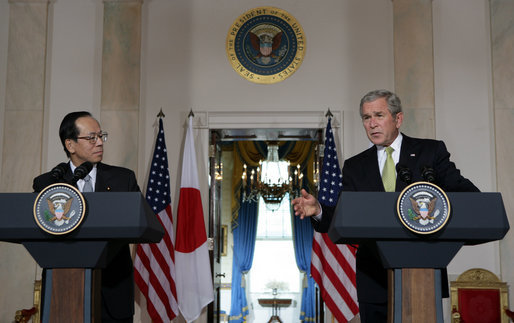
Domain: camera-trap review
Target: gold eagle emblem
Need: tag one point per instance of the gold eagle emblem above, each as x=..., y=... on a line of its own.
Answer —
x=423, y=208
x=59, y=209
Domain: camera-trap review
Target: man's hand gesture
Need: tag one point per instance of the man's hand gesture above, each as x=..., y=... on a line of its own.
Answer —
x=306, y=205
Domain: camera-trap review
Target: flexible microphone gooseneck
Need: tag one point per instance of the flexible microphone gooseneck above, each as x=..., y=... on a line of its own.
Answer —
x=59, y=171
x=82, y=171
x=404, y=173
x=428, y=174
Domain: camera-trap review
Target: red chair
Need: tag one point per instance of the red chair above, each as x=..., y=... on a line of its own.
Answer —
x=479, y=296
x=25, y=315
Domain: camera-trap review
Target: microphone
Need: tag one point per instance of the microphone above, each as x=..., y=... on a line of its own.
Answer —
x=82, y=171
x=59, y=171
x=428, y=174
x=404, y=173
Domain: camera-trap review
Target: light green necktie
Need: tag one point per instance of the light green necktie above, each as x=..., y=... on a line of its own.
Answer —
x=389, y=173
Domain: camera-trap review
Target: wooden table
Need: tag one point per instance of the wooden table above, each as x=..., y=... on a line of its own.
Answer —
x=275, y=304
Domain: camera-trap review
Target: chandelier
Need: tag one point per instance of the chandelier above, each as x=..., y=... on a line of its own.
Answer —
x=270, y=181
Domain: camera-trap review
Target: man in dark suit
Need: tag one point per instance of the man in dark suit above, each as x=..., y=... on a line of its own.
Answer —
x=82, y=140
x=382, y=116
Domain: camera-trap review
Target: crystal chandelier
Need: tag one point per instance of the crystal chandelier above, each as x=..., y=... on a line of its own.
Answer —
x=269, y=182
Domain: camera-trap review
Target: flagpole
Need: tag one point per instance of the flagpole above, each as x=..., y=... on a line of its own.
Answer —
x=338, y=290
x=154, y=265
x=193, y=267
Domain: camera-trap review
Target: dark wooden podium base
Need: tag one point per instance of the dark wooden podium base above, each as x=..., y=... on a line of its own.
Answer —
x=414, y=295
x=72, y=295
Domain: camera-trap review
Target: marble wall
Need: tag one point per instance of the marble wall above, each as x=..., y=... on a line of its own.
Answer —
x=502, y=45
x=23, y=113
x=123, y=60
x=414, y=65
x=121, y=79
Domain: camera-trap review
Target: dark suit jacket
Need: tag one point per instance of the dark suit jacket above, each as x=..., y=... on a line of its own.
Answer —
x=118, y=276
x=361, y=173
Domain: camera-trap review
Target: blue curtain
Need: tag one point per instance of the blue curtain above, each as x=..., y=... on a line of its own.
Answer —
x=303, y=234
x=244, y=233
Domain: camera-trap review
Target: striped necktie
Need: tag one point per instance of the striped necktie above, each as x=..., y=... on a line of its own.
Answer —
x=388, y=172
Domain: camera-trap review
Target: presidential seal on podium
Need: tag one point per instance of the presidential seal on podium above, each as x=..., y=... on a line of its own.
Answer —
x=59, y=209
x=423, y=208
x=265, y=45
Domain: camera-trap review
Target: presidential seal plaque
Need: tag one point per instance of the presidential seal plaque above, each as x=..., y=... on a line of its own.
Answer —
x=265, y=45
x=59, y=209
x=423, y=208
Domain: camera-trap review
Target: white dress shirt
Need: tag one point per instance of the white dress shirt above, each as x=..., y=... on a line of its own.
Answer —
x=382, y=156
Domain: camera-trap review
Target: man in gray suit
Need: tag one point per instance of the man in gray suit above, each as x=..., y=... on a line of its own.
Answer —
x=82, y=140
x=382, y=116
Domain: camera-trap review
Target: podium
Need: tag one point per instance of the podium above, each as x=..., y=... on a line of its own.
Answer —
x=361, y=217
x=112, y=220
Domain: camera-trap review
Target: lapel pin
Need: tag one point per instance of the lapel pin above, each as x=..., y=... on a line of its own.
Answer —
x=413, y=155
x=108, y=188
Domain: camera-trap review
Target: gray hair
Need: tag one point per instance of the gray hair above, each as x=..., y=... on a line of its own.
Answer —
x=394, y=105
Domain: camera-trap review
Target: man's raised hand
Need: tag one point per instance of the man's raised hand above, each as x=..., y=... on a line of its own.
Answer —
x=305, y=205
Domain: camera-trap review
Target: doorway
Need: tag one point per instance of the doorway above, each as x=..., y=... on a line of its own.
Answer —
x=269, y=278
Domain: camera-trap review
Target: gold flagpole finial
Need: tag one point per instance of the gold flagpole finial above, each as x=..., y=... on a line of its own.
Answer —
x=191, y=114
x=160, y=114
x=329, y=114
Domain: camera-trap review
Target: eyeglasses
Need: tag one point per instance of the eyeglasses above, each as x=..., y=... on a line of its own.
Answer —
x=93, y=137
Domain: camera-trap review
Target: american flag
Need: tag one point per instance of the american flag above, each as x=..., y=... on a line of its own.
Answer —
x=155, y=263
x=333, y=266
